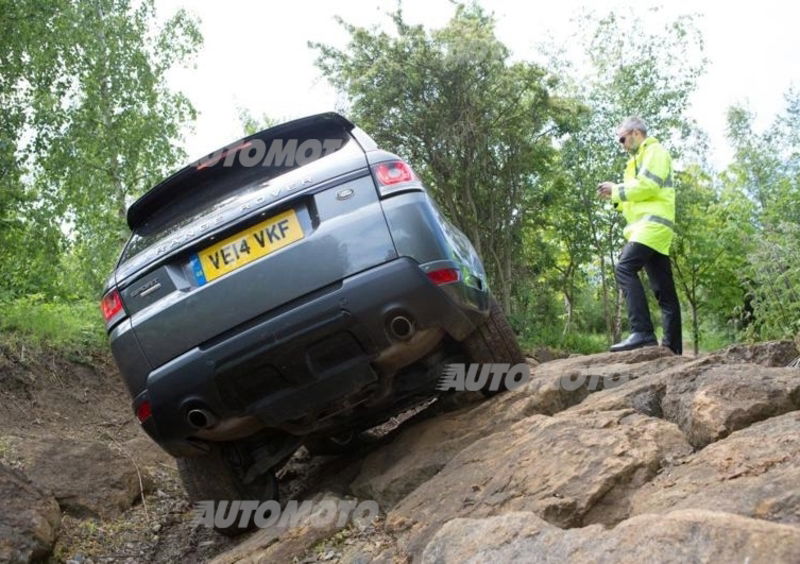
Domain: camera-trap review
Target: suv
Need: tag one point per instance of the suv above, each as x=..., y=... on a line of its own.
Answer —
x=295, y=287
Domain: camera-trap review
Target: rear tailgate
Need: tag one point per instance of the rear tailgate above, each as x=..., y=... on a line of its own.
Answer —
x=198, y=267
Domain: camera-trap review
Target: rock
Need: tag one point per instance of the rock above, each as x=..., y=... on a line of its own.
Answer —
x=560, y=384
x=147, y=453
x=29, y=519
x=726, y=398
x=753, y=472
x=769, y=353
x=393, y=471
x=418, y=453
x=706, y=399
x=281, y=544
x=569, y=470
x=546, y=354
x=87, y=478
x=680, y=536
x=644, y=394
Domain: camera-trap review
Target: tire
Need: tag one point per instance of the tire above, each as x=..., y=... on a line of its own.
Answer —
x=493, y=342
x=212, y=477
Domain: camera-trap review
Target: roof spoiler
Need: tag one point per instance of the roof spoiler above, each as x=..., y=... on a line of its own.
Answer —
x=163, y=192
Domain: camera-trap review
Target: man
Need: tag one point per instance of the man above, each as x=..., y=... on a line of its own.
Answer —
x=646, y=199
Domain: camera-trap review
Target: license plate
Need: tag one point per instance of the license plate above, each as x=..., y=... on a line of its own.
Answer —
x=246, y=246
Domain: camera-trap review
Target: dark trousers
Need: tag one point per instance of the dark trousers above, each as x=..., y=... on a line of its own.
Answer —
x=634, y=257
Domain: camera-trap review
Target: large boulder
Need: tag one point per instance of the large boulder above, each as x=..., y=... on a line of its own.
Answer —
x=706, y=398
x=680, y=536
x=560, y=384
x=87, y=478
x=726, y=398
x=754, y=472
x=29, y=519
x=419, y=452
x=290, y=540
x=571, y=471
x=769, y=353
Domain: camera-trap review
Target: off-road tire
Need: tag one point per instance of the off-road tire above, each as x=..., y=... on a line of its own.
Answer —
x=493, y=342
x=212, y=477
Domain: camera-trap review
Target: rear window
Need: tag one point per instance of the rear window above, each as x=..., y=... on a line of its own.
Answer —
x=228, y=174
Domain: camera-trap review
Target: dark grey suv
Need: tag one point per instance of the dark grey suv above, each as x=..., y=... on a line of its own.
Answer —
x=296, y=287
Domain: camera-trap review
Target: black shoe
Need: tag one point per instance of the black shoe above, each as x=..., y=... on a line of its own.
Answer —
x=635, y=341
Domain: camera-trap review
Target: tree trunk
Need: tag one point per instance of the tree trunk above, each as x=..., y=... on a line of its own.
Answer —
x=606, y=312
x=695, y=327
x=568, y=307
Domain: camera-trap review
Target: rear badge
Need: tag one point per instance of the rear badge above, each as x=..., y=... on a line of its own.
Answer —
x=147, y=288
x=344, y=194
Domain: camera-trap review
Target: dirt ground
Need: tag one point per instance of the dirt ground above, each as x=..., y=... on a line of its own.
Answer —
x=44, y=393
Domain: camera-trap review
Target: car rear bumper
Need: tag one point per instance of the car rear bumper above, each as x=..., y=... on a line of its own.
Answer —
x=293, y=367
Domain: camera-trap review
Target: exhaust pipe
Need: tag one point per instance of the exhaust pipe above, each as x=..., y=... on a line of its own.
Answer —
x=201, y=418
x=401, y=327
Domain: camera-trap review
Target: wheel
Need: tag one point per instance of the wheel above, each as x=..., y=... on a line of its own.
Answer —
x=493, y=342
x=213, y=477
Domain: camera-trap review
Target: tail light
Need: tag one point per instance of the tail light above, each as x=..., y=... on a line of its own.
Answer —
x=444, y=276
x=111, y=306
x=395, y=176
x=144, y=411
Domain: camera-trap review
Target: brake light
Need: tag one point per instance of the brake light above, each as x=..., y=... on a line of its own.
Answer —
x=144, y=411
x=393, y=172
x=216, y=158
x=444, y=276
x=111, y=306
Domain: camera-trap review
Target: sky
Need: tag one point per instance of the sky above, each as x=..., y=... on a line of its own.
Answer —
x=255, y=55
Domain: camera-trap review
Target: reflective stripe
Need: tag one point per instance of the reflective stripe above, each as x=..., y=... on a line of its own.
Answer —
x=622, y=196
x=657, y=179
x=658, y=219
x=668, y=183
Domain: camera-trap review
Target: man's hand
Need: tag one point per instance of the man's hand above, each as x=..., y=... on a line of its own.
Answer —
x=604, y=189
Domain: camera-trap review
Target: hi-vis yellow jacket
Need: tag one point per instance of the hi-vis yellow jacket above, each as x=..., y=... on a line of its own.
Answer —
x=647, y=197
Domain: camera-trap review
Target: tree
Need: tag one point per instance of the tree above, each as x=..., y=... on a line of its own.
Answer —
x=102, y=125
x=766, y=171
x=29, y=70
x=477, y=127
x=252, y=124
x=709, y=249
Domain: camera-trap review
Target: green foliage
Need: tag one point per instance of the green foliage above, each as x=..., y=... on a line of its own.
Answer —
x=68, y=326
x=572, y=342
x=478, y=127
x=252, y=124
x=710, y=249
x=105, y=130
x=765, y=176
x=774, y=283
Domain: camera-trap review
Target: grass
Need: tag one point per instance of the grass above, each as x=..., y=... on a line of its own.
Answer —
x=589, y=343
x=573, y=342
x=67, y=326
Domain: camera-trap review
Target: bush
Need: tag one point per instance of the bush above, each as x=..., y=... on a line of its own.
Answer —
x=67, y=325
x=549, y=335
